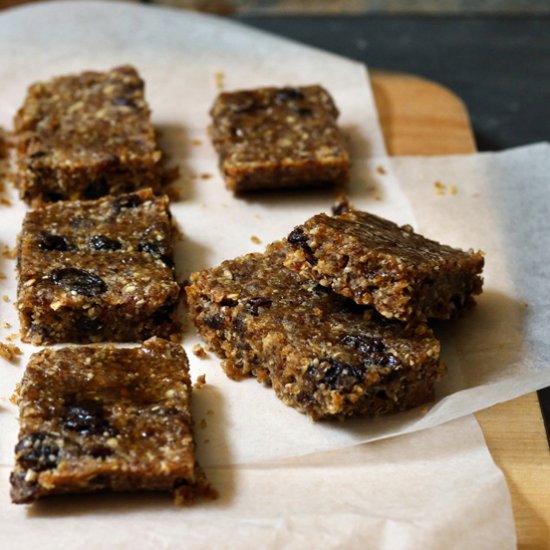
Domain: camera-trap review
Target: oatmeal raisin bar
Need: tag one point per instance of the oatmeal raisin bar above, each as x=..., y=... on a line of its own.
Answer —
x=101, y=270
x=322, y=353
x=85, y=136
x=374, y=261
x=272, y=138
x=98, y=418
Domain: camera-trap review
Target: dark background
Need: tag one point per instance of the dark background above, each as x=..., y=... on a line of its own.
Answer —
x=498, y=65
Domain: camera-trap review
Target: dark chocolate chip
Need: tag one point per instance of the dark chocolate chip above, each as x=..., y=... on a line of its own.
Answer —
x=97, y=188
x=364, y=344
x=252, y=305
x=228, y=302
x=215, y=321
x=303, y=111
x=99, y=451
x=101, y=242
x=87, y=418
x=288, y=94
x=373, y=350
x=54, y=196
x=165, y=313
x=238, y=325
x=86, y=325
x=337, y=375
x=127, y=201
x=79, y=281
x=159, y=250
x=38, y=451
x=298, y=237
x=342, y=206
x=48, y=241
x=124, y=101
x=38, y=154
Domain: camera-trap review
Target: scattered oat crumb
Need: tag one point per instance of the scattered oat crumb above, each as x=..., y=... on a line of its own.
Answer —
x=203, y=424
x=341, y=205
x=13, y=336
x=442, y=189
x=524, y=304
x=210, y=412
x=219, y=78
x=197, y=142
x=4, y=201
x=200, y=352
x=200, y=382
x=5, y=324
x=207, y=440
x=256, y=240
x=381, y=170
x=9, y=351
x=206, y=176
x=6, y=298
x=2, y=275
x=9, y=253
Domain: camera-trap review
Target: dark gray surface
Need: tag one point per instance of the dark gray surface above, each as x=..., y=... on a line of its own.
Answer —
x=499, y=66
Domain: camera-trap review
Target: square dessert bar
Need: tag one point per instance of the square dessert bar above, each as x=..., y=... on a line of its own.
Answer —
x=374, y=261
x=102, y=270
x=97, y=418
x=85, y=136
x=323, y=354
x=272, y=138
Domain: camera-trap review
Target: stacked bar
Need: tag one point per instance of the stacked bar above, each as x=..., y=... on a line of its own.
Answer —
x=323, y=353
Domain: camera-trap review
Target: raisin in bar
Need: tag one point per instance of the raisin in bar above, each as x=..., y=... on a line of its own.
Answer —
x=273, y=138
x=85, y=136
x=323, y=354
x=100, y=270
x=98, y=418
x=374, y=261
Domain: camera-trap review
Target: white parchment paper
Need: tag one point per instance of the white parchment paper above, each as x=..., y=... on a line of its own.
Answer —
x=437, y=488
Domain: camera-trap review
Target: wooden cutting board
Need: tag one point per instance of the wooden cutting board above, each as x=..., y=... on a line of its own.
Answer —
x=420, y=117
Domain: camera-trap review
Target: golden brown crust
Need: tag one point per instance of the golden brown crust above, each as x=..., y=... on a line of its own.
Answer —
x=92, y=271
x=103, y=418
x=323, y=354
x=85, y=136
x=374, y=261
x=272, y=138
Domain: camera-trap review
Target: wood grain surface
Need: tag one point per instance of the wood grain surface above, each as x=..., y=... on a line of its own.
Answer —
x=420, y=117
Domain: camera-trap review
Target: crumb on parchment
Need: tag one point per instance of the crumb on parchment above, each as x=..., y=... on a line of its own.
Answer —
x=10, y=352
x=219, y=79
x=199, y=351
x=255, y=239
x=444, y=189
x=200, y=382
